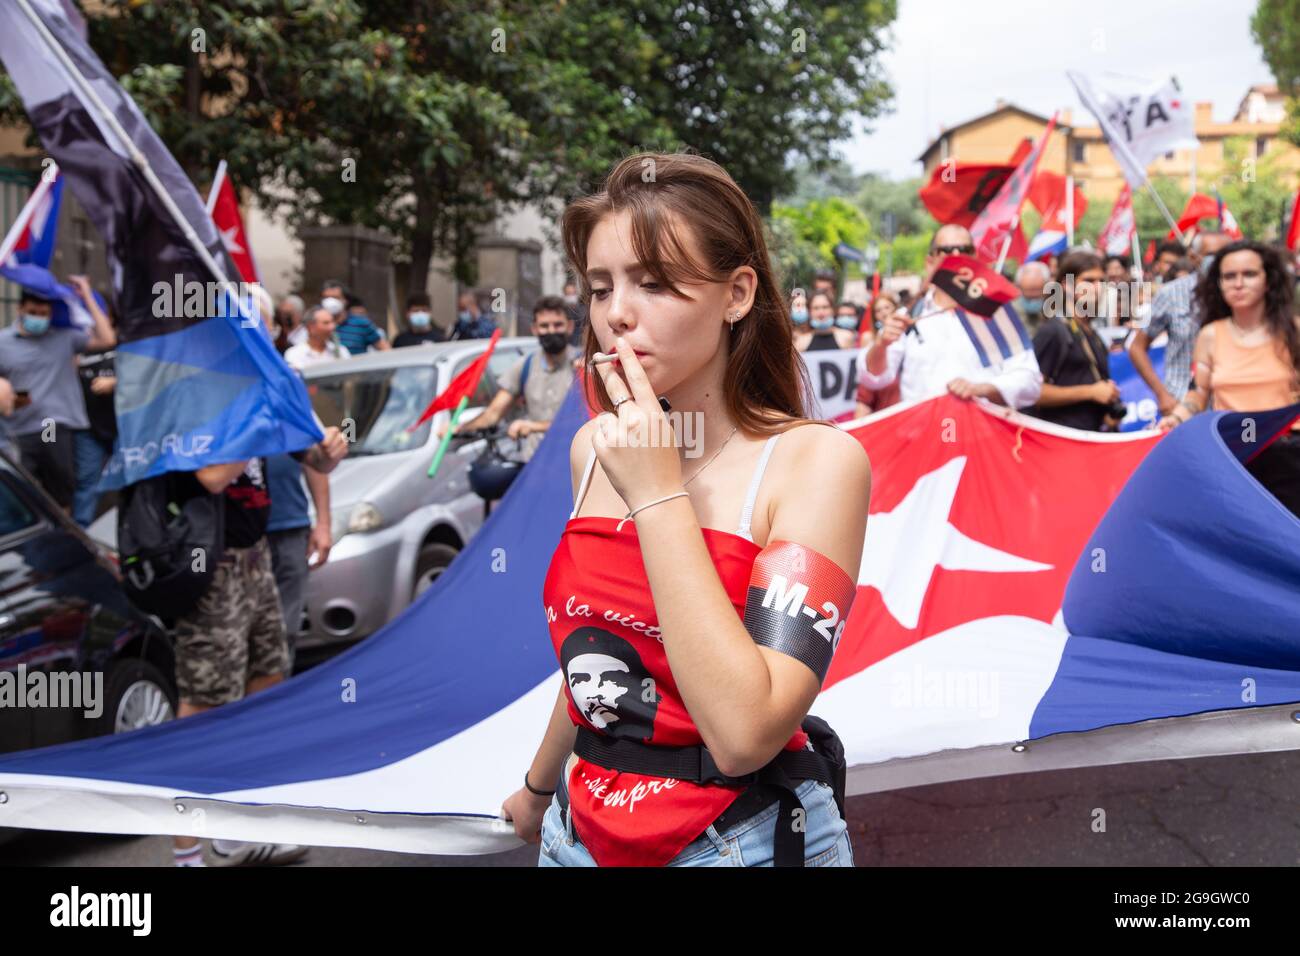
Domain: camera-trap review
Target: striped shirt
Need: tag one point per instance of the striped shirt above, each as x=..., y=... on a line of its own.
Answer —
x=357, y=333
x=1174, y=311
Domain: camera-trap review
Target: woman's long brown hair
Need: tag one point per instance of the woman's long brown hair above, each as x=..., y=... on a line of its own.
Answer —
x=766, y=385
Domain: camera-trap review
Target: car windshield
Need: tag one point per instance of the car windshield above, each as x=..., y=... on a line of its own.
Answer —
x=380, y=405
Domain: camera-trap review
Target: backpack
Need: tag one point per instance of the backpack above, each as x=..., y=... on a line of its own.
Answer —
x=170, y=536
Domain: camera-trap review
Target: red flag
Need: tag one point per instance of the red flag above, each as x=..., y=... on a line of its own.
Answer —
x=1116, y=236
x=1293, y=234
x=1201, y=206
x=958, y=192
x=223, y=206
x=1047, y=195
x=462, y=386
x=1001, y=217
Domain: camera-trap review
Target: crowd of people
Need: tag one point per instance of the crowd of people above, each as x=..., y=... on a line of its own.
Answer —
x=1224, y=307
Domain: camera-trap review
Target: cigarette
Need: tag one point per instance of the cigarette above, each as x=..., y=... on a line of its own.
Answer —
x=600, y=358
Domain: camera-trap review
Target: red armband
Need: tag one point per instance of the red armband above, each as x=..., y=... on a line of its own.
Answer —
x=797, y=602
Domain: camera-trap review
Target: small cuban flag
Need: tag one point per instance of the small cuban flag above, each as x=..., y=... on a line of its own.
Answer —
x=1048, y=242
x=984, y=308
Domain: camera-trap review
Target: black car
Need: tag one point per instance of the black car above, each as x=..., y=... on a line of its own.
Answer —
x=65, y=624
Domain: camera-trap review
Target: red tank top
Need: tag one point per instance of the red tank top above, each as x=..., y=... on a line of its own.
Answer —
x=617, y=680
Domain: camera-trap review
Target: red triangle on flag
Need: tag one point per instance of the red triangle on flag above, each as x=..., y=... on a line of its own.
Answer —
x=462, y=386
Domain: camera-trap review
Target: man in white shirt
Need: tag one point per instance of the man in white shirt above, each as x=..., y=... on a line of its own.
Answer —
x=320, y=345
x=932, y=353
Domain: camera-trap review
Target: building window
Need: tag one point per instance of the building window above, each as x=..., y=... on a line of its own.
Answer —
x=1080, y=151
x=1261, y=145
x=1169, y=155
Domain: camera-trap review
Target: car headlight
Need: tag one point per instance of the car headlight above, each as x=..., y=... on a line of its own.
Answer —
x=358, y=518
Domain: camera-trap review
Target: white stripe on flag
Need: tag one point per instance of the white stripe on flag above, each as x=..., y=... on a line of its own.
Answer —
x=986, y=340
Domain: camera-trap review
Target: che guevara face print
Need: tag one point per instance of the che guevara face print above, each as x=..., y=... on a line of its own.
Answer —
x=609, y=683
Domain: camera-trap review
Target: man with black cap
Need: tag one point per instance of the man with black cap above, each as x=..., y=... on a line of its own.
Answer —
x=971, y=345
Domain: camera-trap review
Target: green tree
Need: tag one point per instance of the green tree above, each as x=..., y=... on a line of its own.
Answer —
x=824, y=223
x=447, y=112
x=1276, y=28
x=1255, y=189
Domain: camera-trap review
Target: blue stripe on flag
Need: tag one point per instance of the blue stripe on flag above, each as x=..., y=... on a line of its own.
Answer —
x=1013, y=317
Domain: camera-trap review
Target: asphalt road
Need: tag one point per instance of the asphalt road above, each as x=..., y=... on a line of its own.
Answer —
x=1221, y=811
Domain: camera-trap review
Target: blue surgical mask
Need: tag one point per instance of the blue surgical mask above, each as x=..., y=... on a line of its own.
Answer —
x=821, y=324
x=846, y=322
x=1031, y=306
x=799, y=318
x=419, y=320
x=464, y=315
x=34, y=324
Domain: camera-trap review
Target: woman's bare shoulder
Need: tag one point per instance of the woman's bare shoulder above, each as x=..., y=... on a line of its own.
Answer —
x=825, y=457
x=819, y=444
x=822, y=493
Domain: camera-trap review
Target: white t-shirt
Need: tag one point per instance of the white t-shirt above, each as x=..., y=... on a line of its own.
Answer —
x=303, y=356
x=924, y=364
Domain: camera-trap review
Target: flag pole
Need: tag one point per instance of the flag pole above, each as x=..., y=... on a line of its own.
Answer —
x=215, y=188
x=1160, y=204
x=1069, y=211
x=137, y=157
x=24, y=216
x=1006, y=243
x=446, y=436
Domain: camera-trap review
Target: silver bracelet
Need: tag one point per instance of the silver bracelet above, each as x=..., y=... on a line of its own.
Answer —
x=630, y=514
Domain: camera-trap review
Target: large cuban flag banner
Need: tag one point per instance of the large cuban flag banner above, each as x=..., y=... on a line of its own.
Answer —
x=1030, y=598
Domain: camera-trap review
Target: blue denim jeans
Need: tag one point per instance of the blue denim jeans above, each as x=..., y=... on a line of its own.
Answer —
x=746, y=843
x=90, y=456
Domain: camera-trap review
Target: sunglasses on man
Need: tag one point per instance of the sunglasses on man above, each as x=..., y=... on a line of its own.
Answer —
x=967, y=250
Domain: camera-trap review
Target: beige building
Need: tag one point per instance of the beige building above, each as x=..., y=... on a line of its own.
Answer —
x=1081, y=152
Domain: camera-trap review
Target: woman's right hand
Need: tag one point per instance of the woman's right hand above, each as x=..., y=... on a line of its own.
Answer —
x=525, y=810
x=1105, y=392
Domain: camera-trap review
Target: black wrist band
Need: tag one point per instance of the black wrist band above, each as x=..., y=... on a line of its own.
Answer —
x=534, y=791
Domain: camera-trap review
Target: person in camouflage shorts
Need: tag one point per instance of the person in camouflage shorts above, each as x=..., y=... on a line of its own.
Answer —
x=235, y=634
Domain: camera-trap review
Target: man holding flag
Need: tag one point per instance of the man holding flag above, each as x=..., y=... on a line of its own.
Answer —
x=979, y=349
x=541, y=380
x=38, y=360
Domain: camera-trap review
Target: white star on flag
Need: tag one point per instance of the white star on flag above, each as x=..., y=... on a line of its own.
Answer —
x=228, y=240
x=904, y=546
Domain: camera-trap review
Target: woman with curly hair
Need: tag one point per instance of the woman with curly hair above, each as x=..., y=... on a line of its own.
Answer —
x=1247, y=354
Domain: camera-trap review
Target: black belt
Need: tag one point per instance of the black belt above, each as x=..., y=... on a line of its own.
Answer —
x=772, y=783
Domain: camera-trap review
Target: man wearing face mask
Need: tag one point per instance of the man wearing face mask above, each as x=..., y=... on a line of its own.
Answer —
x=49, y=406
x=420, y=320
x=470, y=322
x=1031, y=280
x=542, y=379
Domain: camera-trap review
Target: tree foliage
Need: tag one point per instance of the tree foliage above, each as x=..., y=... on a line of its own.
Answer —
x=429, y=118
x=1276, y=28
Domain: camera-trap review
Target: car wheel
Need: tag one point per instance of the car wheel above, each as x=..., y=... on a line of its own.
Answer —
x=434, y=559
x=136, y=694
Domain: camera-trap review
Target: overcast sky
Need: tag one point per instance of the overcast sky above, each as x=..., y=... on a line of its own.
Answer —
x=952, y=59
